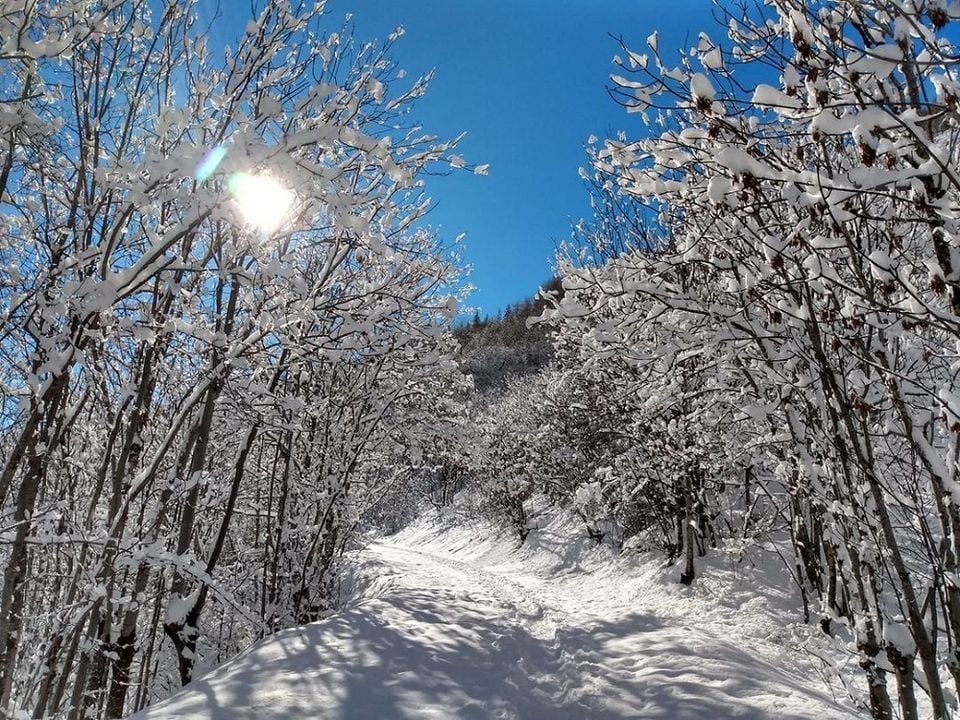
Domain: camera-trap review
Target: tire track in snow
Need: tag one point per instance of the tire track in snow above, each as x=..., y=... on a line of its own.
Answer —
x=542, y=616
x=574, y=672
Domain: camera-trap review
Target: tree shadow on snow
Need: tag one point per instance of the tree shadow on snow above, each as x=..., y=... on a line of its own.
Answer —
x=437, y=654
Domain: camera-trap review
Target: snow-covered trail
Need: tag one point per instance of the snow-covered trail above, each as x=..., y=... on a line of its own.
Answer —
x=455, y=630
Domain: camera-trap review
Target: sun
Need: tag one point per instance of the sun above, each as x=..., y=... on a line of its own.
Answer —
x=262, y=200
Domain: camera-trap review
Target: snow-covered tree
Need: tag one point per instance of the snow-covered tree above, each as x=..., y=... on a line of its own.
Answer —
x=219, y=324
x=802, y=177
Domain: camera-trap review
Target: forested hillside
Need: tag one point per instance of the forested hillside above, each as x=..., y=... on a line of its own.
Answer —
x=493, y=351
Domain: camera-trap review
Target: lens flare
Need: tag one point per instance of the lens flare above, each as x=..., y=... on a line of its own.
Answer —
x=209, y=164
x=263, y=201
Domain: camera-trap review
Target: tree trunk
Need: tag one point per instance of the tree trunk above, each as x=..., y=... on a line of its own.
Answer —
x=15, y=574
x=686, y=578
x=903, y=666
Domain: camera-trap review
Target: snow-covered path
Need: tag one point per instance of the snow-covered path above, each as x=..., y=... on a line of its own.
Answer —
x=458, y=629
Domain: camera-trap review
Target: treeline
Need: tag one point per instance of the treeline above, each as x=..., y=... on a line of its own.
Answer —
x=495, y=350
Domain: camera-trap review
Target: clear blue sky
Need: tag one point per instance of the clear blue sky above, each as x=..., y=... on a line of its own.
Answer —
x=526, y=80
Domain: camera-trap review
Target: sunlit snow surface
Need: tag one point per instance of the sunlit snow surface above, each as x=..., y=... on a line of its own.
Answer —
x=452, y=626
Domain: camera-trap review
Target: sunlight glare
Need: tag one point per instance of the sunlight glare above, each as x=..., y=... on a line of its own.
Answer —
x=263, y=201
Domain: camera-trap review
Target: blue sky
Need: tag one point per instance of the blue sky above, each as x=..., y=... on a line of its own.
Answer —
x=526, y=80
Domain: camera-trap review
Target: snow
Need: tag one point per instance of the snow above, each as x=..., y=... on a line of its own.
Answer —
x=701, y=88
x=897, y=634
x=767, y=96
x=881, y=60
x=452, y=622
x=178, y=607
x=712, y=59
